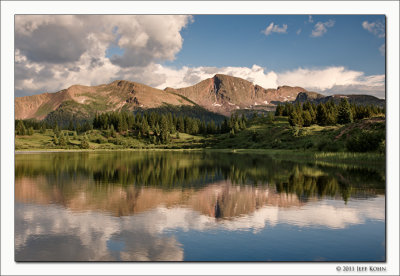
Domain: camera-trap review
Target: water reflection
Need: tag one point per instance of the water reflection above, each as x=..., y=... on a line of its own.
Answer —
x=136, y=206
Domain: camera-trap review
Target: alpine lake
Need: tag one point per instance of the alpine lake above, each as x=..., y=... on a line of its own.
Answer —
x=195, y=206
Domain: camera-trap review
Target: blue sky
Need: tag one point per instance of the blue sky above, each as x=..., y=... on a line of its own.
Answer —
x=330, y=54
x=231, y=40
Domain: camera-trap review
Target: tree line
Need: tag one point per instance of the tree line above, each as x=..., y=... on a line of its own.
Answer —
x=325, y=114
x=152, y=125
x=161, y=126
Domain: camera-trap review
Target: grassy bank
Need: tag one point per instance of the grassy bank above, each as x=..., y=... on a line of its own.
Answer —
x=263, y=135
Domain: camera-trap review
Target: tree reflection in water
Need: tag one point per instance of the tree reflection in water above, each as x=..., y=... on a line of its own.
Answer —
x=220, y=185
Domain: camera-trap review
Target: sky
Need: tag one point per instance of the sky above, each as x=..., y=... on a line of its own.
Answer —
x=329, y=54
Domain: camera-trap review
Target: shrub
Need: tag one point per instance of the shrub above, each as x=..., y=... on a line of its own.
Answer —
x=85, y=143
x=101, y=140
x=365, y=141
x=322, y=144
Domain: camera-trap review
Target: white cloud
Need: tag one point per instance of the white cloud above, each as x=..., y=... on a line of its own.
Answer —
x=323, y=79
x=56, y=51
x=326, y=80
x=275, y=29
x=145, y=45
x=298, y=31
x=310, y=19
x=377, y=28
x=64, y=38
x=321, y=28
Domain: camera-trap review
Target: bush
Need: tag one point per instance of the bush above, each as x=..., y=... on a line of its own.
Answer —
x=308, y=145
x=101, y=140
x=276, y=143
x=85, y=143
x=321, y=146
x=255, y=137
x=365, y=141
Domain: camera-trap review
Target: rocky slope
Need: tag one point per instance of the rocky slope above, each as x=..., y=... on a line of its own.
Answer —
x=224, y=94
x=220, y=94
x=356, y=99
x=117, y=95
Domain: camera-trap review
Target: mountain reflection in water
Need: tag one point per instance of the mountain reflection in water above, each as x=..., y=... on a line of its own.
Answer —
x=133, y=206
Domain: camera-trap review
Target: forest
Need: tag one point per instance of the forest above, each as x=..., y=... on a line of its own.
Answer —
x=323, y=127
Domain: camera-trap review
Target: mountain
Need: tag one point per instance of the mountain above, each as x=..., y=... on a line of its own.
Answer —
x=85, y=101
x=210, y=98
x=356, y=99
x=224, y=94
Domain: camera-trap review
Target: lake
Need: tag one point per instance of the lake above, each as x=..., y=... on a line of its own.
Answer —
x=195, y=206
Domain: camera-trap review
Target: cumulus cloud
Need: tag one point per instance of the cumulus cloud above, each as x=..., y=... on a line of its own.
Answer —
x=80, y=57
x=377, y=28
x=321, y=28
x=73, y=47
x=272, y=28
x=328, y=80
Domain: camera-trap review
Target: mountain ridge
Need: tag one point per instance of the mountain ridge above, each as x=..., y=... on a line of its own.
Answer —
x=220, y=94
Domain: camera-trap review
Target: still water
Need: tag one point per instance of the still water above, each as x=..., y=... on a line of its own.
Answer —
x=188, y=206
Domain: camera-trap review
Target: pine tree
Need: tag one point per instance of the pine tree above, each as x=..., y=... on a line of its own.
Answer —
x=236, y=127
x=322, y=115
x=85, y=142
x=279, y=110
x=144, y=128
x=61, y=140
x=307, y=119
x=55, y=140
x=42, y=129
x=112, y=132
x=344, y=112
x=270, y=118
x=70, y=125
x=164, y=130
x=295, y=119
x=180, y=124
x=30, y=131
x=20, y=128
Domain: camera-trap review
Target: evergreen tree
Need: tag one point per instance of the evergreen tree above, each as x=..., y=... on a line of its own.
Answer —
x=307, y=119
x=236, y=127
x=322, y=115
x=279, y=110
x=55, y=140
x=42, y=129
x=344, y=112
x=165, y=133
x=85, y=142
x=61, y=140
x=144, y=127
x=30, y=131
x=244, y=119
x=295, y=119
x=270, y=118
x=70, y=125
x=56, y=129
x=20, y=128
x=180, y=124
x=112, y=131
